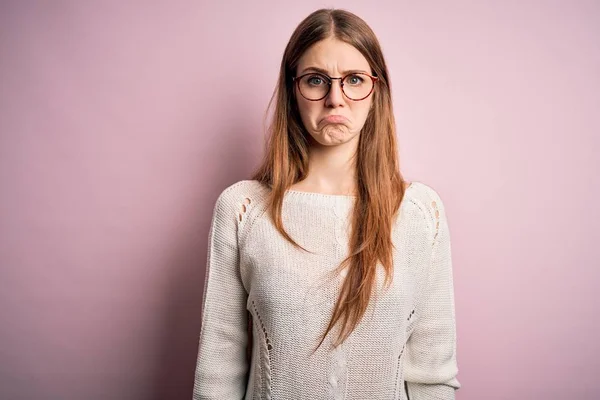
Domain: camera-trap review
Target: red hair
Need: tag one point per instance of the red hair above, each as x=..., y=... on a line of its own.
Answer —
x=380, y=186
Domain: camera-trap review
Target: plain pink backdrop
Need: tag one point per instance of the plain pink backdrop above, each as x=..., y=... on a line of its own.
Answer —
x=121, y=122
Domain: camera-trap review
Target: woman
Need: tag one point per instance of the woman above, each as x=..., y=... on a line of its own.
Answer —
x=340, y=269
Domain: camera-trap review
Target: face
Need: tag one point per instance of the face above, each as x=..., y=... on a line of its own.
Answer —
x=335, y=119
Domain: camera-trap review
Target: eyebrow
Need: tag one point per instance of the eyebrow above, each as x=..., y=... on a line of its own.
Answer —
x=324, y=72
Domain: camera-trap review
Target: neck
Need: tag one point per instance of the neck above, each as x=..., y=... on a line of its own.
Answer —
x=332, y=168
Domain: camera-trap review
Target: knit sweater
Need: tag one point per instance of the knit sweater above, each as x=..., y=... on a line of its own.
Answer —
x=403, y=348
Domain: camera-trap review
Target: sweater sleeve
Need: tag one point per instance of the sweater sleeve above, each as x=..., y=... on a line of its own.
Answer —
x=221, y=364
x=431, y=365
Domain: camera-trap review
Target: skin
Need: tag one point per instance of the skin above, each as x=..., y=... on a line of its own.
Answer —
x=332, y=145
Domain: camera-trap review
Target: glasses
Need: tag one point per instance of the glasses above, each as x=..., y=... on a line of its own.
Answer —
x=315, y=86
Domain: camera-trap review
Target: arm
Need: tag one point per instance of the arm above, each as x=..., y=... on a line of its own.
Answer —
x=222, y=365
x=431, y=366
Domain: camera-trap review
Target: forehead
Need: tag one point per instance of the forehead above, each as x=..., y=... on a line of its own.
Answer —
x=334, y=56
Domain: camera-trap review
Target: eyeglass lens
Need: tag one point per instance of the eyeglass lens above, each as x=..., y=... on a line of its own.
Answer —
x=316, y=86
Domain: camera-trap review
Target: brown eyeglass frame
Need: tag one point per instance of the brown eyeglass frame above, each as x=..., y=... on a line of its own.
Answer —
x=296, y=79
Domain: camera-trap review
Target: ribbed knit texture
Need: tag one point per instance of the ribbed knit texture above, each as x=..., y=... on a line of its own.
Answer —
x=403, y=348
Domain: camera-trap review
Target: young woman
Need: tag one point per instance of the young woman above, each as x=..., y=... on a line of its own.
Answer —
x=339, y=268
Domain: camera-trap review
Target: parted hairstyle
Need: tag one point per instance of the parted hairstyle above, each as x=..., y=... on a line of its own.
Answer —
x=380, y=185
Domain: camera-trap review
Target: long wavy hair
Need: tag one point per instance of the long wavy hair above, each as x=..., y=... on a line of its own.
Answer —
x=380, y=185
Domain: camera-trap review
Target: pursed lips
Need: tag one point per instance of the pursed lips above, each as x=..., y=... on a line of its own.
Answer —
x=335, y=119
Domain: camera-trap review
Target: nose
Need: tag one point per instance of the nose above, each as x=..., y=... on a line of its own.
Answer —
x=335, y=97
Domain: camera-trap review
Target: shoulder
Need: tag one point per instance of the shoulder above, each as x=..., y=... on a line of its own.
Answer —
x=423, y=193
x=244, y=191
x=428, y=201
x=240, y=200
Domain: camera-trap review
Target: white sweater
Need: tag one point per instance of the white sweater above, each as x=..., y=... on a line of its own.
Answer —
x=403, y=348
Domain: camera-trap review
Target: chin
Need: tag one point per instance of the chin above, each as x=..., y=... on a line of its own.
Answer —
x=333, y=136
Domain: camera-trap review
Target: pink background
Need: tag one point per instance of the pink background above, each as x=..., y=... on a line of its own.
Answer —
x=120, y=123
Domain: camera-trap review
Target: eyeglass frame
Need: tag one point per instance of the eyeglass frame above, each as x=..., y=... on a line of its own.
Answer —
x=374, y=79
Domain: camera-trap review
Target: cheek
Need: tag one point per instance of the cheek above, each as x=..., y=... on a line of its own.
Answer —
x=361, y=111
x=308, y=111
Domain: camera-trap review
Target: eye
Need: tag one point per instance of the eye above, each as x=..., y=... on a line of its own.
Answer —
x=354, y=79
x=315, y=80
